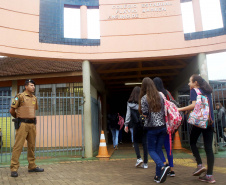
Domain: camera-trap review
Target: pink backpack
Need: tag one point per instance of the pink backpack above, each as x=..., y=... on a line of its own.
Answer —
x=121, y=121
x=172, y=118
x=200, y=115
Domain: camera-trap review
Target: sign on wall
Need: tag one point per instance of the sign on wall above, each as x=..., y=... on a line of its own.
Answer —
x=141, y=10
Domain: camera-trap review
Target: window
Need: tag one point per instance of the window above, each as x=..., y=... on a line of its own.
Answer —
x=211, y=14
x=58, y=99
x=93, y=23
x=72, y=22
x=188, y=17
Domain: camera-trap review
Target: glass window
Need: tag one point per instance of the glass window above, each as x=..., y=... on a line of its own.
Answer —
x=72, y=22
x=211, y=14
x=188, y=17
x=93, y=23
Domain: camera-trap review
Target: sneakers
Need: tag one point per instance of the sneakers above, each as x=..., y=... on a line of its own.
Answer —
x=164, y=171
x=116, y=147
x=14, y=174
x=171, y=174
x=144, y=165
x=139, y=162
x=37, y=169
x=156, y=179
x=199, y=170
x=207, y=179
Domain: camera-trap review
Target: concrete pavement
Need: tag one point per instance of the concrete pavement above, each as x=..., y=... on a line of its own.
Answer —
x=119, y=169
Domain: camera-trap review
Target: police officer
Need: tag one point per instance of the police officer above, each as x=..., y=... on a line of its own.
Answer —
x=23, y=109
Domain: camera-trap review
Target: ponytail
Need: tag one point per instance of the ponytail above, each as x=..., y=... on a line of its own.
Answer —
x=202, y=83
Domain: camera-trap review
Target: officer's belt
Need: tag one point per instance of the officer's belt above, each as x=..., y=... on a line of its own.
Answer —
x=27, y=120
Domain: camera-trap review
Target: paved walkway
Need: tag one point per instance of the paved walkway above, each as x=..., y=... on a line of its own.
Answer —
x=118, y=170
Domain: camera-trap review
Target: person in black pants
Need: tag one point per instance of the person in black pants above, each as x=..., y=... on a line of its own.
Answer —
x=132, y=117
x=199, y=83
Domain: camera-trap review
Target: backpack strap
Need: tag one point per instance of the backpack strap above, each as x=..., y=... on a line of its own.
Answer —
x=210, y=122
x=198, y=92
x=170, y=96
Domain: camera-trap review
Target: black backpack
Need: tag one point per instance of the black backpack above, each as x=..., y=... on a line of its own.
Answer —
x=135, y=118
x=113, y=119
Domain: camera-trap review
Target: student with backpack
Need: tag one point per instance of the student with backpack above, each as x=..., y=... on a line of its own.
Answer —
x=113, y=120
x=160, y=87
x=151, y=106
x=132, y=117
x=198, y=88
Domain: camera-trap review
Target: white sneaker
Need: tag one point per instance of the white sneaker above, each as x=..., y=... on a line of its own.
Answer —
x=144, y=165
x=139, y=162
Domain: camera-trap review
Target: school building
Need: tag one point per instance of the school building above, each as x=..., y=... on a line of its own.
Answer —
x=84, y=55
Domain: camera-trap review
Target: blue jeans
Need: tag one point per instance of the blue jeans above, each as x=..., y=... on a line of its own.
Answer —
x=131, y=130
x=156, y=140
x=167, y=147
x=115, y=136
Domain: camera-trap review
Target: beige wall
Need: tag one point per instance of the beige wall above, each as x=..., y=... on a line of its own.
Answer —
x=93, y=92
x=67, y=133
x=155, y=34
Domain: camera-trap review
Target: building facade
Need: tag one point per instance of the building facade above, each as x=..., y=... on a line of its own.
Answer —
x=133, y=39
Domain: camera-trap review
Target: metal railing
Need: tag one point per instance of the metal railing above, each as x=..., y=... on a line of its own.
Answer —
x=59, y=128
x=219, y=96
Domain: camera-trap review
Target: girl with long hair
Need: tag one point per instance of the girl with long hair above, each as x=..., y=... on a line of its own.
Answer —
x=151, y=106
x=197, y=81
x=160, y=87
x=132, y=117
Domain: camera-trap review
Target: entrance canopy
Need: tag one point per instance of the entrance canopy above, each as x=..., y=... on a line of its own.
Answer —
x=116, y=74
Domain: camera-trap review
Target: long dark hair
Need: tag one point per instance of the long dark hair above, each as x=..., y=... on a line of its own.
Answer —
x=159, y=85
x=134, y=96
x=153, y=97
x=202, y=83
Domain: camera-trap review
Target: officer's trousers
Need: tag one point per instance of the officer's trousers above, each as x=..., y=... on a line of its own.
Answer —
x=26, y=131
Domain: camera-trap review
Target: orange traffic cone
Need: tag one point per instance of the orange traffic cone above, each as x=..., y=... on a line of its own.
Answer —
x=103, y=152
x=177, y=143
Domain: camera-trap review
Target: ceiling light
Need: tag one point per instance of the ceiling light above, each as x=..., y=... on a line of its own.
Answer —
x=133, y=83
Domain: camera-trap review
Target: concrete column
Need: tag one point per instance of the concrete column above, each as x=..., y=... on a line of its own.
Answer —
x=14, y=93
x=202, y=63
x=197, y=15
x=87, y=109
x=83, y=17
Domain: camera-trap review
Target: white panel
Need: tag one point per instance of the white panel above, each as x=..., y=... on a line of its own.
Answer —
x=216, y=64
x=72, y=23
x=93, y=23
x=188, y=17
x=211, y=14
